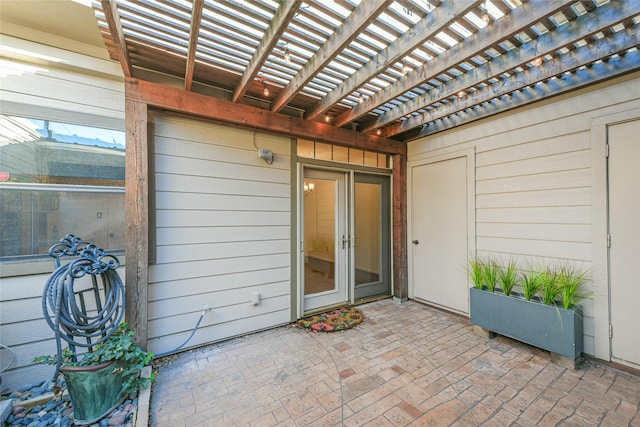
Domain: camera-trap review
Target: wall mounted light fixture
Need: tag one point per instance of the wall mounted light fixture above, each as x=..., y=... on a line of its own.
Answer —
x=309, y=187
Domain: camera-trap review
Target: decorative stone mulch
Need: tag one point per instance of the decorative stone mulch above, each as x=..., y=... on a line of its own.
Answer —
x=59, y=412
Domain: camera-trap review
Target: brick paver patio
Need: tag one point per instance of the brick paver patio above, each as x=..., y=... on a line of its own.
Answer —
x=406, y=364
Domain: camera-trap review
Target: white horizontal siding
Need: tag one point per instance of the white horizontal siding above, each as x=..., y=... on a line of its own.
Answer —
x=195, y=235
x=534, y=181
x=216, y=332
x=50, y=88
x=220, y=283
x=223, y=221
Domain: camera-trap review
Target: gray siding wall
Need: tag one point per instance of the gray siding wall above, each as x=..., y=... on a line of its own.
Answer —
x=223, y=232
x=534, y=179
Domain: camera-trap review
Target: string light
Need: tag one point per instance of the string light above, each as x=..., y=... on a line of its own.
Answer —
x=537, y=62
x=327, y=118
x=287, y=55
x=405, y=67
x=461, y=94
x=378, y=131
x=484, y=14
x=265, y=91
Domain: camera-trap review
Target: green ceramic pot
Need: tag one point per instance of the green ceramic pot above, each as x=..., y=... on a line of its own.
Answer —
x=94, y=390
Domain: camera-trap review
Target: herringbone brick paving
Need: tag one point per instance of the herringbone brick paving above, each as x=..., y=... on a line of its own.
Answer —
x=406, y=364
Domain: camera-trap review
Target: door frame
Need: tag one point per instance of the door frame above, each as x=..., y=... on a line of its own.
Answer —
x=600, y=225
x=350, y=170
x=470, y=154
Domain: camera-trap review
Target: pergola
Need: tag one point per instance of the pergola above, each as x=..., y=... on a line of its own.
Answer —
x=371, y=74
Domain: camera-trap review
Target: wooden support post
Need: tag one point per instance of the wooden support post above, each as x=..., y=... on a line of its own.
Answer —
x=137, y=218
x=400, y=268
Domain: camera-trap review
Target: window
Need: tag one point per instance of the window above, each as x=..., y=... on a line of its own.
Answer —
x=324, y=151
x=58, y=179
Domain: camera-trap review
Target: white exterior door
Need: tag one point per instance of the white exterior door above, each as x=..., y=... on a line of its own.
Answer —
x=624, y=253
x=439, y=234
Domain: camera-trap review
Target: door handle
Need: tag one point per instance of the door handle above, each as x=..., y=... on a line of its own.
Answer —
x=344, y=241
x=415, y=242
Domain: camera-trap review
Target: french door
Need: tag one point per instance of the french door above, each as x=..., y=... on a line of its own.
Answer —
x=345, y=237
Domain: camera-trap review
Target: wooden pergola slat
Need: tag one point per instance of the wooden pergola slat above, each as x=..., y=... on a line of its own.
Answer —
x=278, y=25
x=452, y=117
x=619, y=42
x=488, y=37
x=586, y=25
x=196, y=17
x=117, y=35
x=433, y=23
x=361, y=17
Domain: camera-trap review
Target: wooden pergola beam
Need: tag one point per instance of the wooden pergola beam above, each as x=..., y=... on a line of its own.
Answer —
x=285, y=13
x=584, y=26
x=432, y=24
x=399, y=220
x=137, y=218
x=502, y=29
x=220, y=110
x=360, y=18
x=515, y=92
x=117, y=34
x=196, y=18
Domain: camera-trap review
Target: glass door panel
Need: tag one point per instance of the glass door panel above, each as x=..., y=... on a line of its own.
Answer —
x=324, y=204
x=372, y=237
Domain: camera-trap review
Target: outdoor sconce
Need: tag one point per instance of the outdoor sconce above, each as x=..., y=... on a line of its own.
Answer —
x=266, y=155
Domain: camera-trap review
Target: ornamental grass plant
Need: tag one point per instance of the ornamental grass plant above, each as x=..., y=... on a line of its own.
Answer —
x=508, y=277
x=531, y=283
x=550, y=288
x=490, y=274
x=570, y=280
x=476, y=272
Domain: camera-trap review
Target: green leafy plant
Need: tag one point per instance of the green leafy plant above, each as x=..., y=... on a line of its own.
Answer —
x=570, y=280
x=491, y=270
x=120, y=347
x=476, y=272
x=508, y=277
x=531, y=283
x=550, y=288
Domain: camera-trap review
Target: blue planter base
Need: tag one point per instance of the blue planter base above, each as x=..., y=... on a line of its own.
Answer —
x=547, y=327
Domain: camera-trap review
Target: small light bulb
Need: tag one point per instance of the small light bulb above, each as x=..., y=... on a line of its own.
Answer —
x=461, y=94
x=327, y=118
x=378, y=132
x=537, y=62
x=265, y=91
x=405, y=68
x=484, y=15
x=287, y=55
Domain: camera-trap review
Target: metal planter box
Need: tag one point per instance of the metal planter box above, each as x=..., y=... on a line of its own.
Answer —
x=548, y=327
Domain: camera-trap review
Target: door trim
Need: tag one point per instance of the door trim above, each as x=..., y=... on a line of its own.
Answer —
x=469, y=153
x=599, y=229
